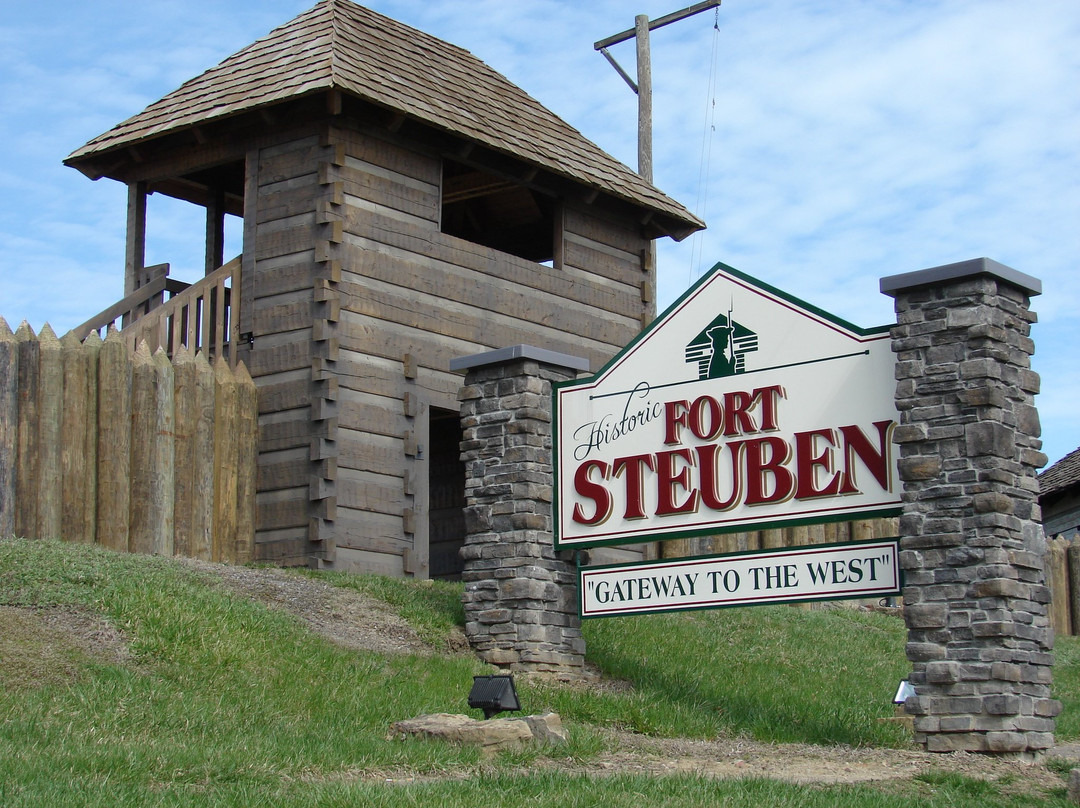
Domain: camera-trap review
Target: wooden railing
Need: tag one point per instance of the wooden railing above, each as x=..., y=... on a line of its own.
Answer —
x=203, y=316
x=154, y=285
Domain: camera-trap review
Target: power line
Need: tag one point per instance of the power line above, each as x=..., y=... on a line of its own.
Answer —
x=708, y=136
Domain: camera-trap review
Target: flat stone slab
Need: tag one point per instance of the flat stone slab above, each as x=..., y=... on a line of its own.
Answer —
x=494, y=733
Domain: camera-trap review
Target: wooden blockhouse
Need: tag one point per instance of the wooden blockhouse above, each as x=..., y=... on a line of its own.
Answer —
x=403, y=204
x=1059, y=498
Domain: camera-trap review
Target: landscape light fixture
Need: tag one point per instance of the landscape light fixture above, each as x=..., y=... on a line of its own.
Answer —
x=903, y=692
x=494, y=695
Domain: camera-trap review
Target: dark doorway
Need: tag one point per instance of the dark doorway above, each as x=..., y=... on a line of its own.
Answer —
x=446, y=495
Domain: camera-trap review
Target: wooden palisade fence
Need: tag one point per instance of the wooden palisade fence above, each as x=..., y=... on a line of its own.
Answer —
x=1063, y=577
x=795, y=536
x=129, y=450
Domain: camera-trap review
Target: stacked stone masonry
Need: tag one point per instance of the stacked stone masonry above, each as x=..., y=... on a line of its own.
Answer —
x=976, y=600
x=520, y=599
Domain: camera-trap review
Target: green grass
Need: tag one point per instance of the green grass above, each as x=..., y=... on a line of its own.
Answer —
x=773, y=673
x=225, y=702
x=544, y=790
x=1067, y=687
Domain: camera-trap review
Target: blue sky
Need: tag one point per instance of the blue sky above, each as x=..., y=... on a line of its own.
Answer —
x=827, y=143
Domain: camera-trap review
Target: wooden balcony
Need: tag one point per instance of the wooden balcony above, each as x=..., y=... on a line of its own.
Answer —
x=165, y=313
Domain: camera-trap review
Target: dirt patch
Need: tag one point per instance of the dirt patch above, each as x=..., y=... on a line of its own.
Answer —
x=41, y=646
x=807, y=764
x=343, y=616
x=800, y=764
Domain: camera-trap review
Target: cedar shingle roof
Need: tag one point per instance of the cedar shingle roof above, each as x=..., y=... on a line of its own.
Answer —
x=340, y=45
x=1062, y=474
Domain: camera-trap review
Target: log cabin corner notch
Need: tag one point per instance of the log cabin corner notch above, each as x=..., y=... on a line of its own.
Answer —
x=403, y=204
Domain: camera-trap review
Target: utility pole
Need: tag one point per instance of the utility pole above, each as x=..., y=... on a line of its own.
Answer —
x=643, y=88
x=643, y=85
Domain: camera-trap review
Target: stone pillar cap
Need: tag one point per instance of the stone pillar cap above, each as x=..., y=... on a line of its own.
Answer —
x=504, y=355
x=894, y=284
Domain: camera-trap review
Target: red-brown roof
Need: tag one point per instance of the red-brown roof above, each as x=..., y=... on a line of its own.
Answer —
x=340, y=45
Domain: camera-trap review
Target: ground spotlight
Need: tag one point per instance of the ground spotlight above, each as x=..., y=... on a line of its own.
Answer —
x=494, y=695
x=903, y=692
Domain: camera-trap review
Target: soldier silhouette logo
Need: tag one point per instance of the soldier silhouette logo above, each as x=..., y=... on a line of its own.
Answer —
x=720, y=349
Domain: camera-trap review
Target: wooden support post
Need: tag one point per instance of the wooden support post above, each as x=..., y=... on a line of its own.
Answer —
x=247, y=271
x=648, y=284
x=644, y=82
x=135, y=252
x=9, y=426
x=215, y=231
x=558, y=237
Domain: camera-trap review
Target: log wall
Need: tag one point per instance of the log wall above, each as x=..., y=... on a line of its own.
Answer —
x=409, y=299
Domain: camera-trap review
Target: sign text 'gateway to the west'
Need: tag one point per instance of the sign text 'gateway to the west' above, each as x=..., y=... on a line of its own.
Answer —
x=827, y=572
x=740, y=407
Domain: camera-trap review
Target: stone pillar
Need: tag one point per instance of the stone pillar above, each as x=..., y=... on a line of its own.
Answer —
x=975, y=596
x=521, y=609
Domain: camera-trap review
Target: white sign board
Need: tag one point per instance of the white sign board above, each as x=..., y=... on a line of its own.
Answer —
x=739, y=408
x=827, y=572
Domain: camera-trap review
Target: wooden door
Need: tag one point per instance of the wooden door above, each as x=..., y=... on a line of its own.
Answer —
x=446, y=494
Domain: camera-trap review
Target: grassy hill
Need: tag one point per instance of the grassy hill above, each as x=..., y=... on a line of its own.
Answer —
x=128, y=680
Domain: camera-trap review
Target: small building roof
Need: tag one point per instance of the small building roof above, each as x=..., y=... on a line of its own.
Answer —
x=1061, y=475
x=338, y=45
